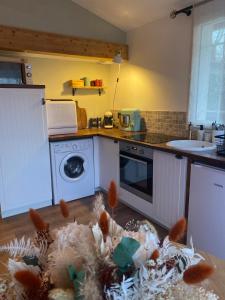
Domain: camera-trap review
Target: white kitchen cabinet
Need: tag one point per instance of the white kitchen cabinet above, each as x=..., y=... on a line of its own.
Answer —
x=206, y=223
x=169, y=187
x=25, y=176
x=108, y=160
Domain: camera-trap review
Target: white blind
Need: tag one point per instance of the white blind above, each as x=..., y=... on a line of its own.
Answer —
x=207, y=91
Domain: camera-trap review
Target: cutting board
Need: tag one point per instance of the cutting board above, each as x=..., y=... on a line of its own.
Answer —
x=81, y=117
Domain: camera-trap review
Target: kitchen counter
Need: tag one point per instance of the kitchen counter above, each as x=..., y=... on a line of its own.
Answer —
x=84, y=133
x=208, y=157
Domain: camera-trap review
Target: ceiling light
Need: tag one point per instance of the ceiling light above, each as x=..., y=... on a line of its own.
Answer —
x=118, y=58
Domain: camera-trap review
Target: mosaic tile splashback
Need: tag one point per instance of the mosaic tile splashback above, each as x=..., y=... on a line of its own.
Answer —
x=167, y=122
x=171, y=123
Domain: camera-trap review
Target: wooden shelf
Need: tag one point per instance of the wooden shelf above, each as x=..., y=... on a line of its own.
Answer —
x=89, y=88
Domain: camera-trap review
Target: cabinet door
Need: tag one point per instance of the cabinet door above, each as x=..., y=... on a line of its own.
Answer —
x=169, y=187
x=108, y=162
x=24, y=152
x=206, y=223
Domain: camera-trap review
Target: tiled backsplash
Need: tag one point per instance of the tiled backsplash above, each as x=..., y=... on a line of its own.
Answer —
x=167, y=122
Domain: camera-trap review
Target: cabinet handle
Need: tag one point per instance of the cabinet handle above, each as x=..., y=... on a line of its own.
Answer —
x=178, y=156
x=115, y=142
x=43, y=102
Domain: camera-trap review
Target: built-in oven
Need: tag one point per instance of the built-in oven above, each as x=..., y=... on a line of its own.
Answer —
x=136, y=170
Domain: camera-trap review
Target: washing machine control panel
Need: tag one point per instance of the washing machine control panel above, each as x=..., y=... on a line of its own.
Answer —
x=71, y=146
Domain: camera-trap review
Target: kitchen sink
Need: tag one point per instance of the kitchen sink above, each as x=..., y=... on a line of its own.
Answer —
x=191, y=145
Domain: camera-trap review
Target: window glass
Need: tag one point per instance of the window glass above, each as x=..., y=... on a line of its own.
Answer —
x=207, y=93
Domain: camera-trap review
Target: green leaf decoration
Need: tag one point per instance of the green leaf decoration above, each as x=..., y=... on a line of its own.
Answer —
x=124, y=252
x=76, y=277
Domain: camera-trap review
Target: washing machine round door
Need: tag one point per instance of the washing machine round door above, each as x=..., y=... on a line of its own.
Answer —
x=73, y=167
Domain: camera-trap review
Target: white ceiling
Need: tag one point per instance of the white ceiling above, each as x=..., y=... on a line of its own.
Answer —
x=129, y=14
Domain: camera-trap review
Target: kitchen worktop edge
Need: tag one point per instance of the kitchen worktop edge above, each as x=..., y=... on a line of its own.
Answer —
x=209, y=157
x=22, y=86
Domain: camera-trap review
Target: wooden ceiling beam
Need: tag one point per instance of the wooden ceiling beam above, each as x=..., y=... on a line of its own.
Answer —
x=25, y=40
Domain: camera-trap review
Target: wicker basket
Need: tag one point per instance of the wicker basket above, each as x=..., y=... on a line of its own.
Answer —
x=221, y=144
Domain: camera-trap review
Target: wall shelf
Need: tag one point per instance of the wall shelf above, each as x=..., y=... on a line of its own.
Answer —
x=100, y=89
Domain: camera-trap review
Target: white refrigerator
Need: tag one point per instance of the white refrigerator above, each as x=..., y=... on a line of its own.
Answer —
x=25, y=176
x=206, y=220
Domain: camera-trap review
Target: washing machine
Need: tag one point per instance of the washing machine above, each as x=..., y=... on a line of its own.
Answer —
x=72, y=169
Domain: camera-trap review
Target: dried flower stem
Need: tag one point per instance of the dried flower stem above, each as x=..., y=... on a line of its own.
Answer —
x=104, y=224
x=178, y=230
x=37, y=220
x=197, y=273
x=112, y=197
x=64, y=209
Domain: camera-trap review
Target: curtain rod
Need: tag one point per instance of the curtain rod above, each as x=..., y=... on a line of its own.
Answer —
x=188, y=9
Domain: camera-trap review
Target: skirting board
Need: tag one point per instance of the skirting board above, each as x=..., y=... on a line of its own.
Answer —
x=23, y=209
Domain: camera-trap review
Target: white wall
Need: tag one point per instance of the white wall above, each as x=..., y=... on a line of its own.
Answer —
x=58, y=16
x=156, y=78
x=64, y=17
x=157, y=75
x=55, y=74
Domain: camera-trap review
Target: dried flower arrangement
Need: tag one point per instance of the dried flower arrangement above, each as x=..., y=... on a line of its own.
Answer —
x=103, y=261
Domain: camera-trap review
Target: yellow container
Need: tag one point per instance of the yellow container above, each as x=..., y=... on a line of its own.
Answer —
x=77, y=83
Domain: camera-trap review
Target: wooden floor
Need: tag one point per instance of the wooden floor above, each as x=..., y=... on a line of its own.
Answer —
x=17, y=226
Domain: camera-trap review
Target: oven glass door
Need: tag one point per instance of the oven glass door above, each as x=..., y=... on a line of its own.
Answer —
x=136, y=175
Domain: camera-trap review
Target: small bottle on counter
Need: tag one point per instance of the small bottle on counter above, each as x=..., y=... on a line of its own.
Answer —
x=200, y=133
x=208, y=136
x=99, y=122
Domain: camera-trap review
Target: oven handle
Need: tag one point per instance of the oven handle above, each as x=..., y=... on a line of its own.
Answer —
x=134, y=159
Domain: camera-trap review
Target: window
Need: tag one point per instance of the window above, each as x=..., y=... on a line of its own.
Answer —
x=207, y=92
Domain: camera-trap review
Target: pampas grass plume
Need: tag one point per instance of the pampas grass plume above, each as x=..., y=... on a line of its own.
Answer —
x=197, y=273
x=37, y=220
x=64, y=209
x=155, y=255
x=104, y=223
x=178, y=230
x=112, y=195
x=28, y=279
